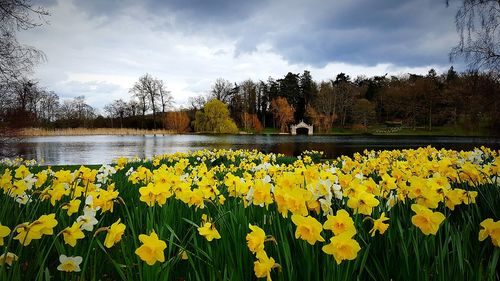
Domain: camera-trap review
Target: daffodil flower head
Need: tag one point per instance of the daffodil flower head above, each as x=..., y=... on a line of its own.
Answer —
x=426, y=220
x=69, y=264
x=308, y=228
x=152, y=248
x=209, y=231
x=492, y=229
x=342, y=247
x=115, y=233
x=4, y=232
x=87, y=220
x=72, y=234
x=8, y=259
x=255, y=239
x=341, y=222
x=263, y=266
x=379, y=225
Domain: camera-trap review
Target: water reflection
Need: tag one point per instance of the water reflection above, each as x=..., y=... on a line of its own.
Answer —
x=102, y=149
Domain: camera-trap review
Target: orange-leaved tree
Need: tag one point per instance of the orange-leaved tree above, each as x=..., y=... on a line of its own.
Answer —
x=177, y=121
x=282, y=112
x=323, y=122
x=251, y=122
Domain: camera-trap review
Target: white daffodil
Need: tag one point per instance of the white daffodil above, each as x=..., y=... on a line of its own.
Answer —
x=69, y=264
x=87, y=220
x=9, y=259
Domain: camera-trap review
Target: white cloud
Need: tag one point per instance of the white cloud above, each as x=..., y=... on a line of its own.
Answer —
x=101, y=57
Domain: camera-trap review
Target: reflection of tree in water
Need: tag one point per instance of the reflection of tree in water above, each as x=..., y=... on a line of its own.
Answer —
x=8, y=141
x=285, y=148
x=92, y=150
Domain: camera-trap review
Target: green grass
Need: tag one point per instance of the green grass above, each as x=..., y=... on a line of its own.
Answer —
x=381, y=130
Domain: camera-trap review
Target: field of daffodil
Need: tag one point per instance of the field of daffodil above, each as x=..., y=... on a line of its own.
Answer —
x=422, y=214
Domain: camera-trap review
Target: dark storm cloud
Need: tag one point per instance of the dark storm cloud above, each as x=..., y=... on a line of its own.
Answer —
x=202, y=11
x=409, y=33
x=366, y=32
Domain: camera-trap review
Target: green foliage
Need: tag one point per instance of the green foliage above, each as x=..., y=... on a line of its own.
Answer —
x=214, y=119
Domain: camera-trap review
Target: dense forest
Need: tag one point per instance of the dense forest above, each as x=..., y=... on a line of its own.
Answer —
x=466, y=100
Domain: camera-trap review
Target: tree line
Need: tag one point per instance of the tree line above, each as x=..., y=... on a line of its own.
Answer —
x=467, y=100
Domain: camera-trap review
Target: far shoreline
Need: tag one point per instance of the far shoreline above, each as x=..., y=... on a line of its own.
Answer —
x=439, y=131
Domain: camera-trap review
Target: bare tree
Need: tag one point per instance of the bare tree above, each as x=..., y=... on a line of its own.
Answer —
x=166, y=98
x=142, y=102
x=15, y=58
x=49, y=105
x=133, y=107
x=197, y=102
x=153, y=91
x=478, y=24
x=118, y=108
x=222, y=90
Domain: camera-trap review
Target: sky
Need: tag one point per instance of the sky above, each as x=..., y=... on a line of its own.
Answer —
x=100, y=48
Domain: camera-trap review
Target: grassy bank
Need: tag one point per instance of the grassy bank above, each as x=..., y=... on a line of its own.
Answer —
x=405, y=131
x=376, y=130
x=34, y=132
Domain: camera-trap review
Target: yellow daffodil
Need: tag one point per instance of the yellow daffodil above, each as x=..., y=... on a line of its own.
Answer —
x=18, y=188
x=263, y=266
x=363, y=203
x=4, y=232
x=41, y=178
x=222, y=199
x=209, y=231
x=308, y=228
x=57, y=192
x=25, y=234
x=152, y=248
x=379, y=225
x=115, y=233
x=45, y=224
x=72, y=206
x=184, y=255
x=426, y=220
x=22, y=172
x=255, y=239
x=262, y=193
x=72, y=234
x=106, y=198
x=196, y=199
x=62, y=176
x=342, y=247
x=340, y=223
x=147, y=194
x=492, y=229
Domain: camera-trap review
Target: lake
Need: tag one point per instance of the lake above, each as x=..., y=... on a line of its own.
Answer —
x=58, y=150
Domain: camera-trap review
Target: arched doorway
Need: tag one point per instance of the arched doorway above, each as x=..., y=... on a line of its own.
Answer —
x=301, y=127
x=302, y=131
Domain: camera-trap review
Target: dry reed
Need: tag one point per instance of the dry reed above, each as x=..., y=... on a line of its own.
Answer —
x=32, y=132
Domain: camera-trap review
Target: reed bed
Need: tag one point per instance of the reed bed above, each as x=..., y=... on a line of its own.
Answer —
x=36, y=132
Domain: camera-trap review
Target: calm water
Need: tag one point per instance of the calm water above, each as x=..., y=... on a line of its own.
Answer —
x=102, y=149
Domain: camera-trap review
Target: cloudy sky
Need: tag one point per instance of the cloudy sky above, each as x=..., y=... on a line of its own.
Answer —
x=100, y=48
